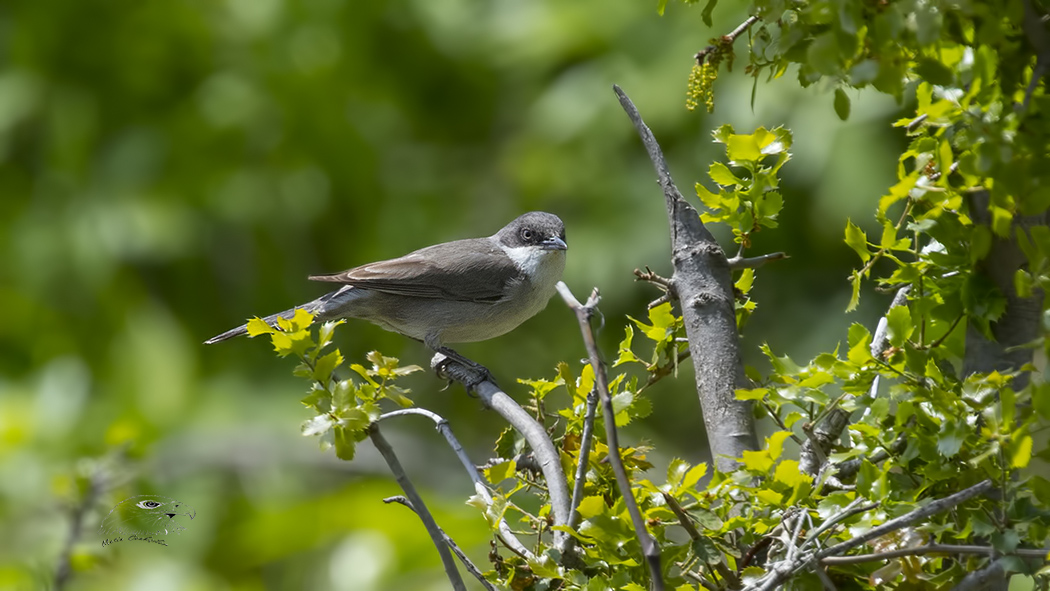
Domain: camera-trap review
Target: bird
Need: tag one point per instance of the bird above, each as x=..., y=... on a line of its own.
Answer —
x=455, y=292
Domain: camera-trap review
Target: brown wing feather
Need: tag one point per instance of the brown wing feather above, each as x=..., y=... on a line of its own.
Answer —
x=439, y=271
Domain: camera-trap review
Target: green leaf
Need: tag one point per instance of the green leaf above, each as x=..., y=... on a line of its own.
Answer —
x=705, y=14
x=721, y=174
x=775, y=443
x=899, y=325
x=345, y=444
x=934, y=71
x=326, y=365
x=258, y=326
x=757, y=461
x=706, y=550
x=857, y=240
x=823, y=54
x=743, y=148
x=854, y=298
x=317, y=425
x=501, y=471
x=694, y=475
x=1022, y=453
x=591, y=507
x=746, y=280
x=842, y=104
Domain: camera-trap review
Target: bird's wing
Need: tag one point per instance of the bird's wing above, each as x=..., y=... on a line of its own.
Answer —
x=473, y=270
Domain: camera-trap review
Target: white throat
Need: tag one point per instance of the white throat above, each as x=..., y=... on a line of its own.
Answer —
x=543, y=267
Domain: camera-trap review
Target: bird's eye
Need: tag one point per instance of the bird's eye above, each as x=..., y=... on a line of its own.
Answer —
x=526, y=234
x=149, y=504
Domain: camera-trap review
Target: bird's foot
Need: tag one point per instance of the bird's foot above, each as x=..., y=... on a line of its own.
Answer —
x=475, y=372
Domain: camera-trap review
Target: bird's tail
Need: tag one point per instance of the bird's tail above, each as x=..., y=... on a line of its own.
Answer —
x=243, y=329
x=331, y=305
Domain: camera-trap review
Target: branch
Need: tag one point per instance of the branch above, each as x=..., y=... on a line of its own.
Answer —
x=585, y=452
x=814, y=451
x=467, y=564
x=436, y=535
x=583, y=315
x=934, y=549
x=780, y=572
x=725, y=39
x=739, y=262
x=534, y=434
x=481, y=486
x=933, y=508
x=703, y=283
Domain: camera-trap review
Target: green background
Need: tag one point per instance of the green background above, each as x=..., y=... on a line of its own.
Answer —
x=169, y=168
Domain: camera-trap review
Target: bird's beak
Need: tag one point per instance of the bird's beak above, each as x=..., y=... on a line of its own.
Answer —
x=553, y=243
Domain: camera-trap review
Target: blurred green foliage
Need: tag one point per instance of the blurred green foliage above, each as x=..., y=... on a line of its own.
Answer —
x=169, y=168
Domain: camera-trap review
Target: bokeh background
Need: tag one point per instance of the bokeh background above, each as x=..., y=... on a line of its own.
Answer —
x=169, y=168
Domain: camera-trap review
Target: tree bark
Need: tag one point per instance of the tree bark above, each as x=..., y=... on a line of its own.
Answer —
x=1021, y=323
x=704, y=288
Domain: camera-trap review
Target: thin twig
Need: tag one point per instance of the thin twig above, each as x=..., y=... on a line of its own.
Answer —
x=855, y=507
x=726, y=39
x=481, y=486
x=585, y=452
x=583, y=315
x=419, y=506
x=909, y=518
x=739, y=262
x=934, y=549
x=467, y=563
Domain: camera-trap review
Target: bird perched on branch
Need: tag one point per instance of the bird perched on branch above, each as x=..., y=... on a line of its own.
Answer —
x=455, y=292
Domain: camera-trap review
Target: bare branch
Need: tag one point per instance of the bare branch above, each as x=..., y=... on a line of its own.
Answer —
x=704, y=286
x=467, y=563
x=739, y=262
x=932, y=508
x=436, y=535
x=585, y=452
x=481, y=486
x=933, y=549
x=583, y=312
x=725, y=39
x=534, y=434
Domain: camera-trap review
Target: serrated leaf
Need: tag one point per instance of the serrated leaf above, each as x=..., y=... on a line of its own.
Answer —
x=316, y=425
x=775, y=443
x=789, y=474
x=745, y=281
x=742, y=148
x=345, y=444
x=258, y=326
x=501, y=471
x=1022, y=453
x=857, y=240
x=326, y=365
x=721, y=174
x=854, y=298
x=591, y=507
x=694, y=475
x=899, y=325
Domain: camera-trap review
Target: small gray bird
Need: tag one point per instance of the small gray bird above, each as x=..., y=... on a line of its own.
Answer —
x=455, y=292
